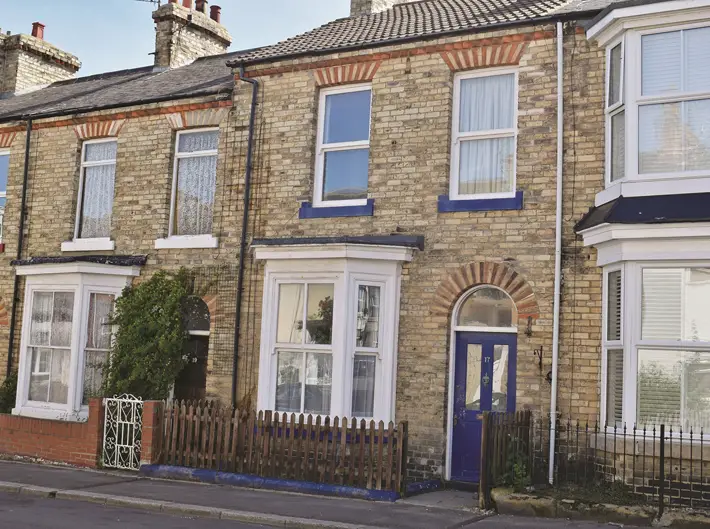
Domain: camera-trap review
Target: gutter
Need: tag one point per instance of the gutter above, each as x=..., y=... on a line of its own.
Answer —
x=245, y=218
x=20, y=242
x=558, y=246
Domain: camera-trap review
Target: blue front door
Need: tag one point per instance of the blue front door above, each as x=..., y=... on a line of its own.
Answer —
x=484, y=380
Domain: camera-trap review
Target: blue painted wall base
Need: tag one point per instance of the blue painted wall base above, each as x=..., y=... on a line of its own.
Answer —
x=420, y=487
x=256, y=482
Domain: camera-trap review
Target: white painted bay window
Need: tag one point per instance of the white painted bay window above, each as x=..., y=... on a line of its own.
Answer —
x=657, y=345
x=193, y=190
x=484, y=134
x=343, y=147
x=92, y=229
x=4, y=173
x=658, y=109
x=329, y=329
x=66, y=336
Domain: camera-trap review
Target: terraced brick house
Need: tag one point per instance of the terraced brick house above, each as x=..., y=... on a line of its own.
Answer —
x=426, y=210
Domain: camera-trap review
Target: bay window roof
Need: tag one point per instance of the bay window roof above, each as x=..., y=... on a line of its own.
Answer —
x=691, y=207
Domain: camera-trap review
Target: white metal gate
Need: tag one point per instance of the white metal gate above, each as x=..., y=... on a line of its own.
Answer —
x=122, y=432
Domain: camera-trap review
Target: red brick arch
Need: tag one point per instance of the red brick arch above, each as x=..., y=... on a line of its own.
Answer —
x=486, y=273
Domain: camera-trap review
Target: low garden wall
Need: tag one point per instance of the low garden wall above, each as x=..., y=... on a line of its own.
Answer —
x=76, y=443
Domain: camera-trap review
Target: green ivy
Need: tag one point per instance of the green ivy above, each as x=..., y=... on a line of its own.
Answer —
x=8, y=390
x=147, y=354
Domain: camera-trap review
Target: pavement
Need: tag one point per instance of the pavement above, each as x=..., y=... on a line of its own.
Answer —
x=34, y=512
x=249, y=506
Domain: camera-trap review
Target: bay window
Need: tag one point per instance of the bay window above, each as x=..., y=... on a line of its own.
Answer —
x=4, y=173
x=66, y=336
x=657, y=345
x=658, y=105
x=329, y=319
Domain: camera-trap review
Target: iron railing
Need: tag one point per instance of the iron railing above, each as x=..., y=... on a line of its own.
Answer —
x=663, y=464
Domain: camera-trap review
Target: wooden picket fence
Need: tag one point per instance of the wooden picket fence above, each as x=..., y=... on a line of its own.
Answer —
x=278, y=445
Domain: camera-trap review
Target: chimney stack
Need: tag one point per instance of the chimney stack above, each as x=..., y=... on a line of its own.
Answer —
x=38, y=30
x=366, y=7
x=183, y=35
x=216, y=14
x=29, y=63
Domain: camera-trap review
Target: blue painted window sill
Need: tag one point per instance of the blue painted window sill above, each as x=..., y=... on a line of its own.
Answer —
x=446, y=205
x=307, y=211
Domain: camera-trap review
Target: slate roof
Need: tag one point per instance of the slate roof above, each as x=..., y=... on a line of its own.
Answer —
x=416, y=20
x=205, y=76
x=691, y=207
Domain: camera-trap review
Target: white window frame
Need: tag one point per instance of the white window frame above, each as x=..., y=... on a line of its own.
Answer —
x=612, y=110
x=633, y=99
x=173, y=241
x=87, y=244
x=457, y=137
x=632, y=290
x=322, y=148
x=347, y=267
x=3, y=194
x=82, y=279
x=614, y=345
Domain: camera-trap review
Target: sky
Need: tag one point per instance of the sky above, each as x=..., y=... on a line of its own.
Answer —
x=110, y=35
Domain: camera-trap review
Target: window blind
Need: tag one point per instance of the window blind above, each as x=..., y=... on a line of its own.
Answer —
x=613, y=326
x=614, y=386
x=661, y=304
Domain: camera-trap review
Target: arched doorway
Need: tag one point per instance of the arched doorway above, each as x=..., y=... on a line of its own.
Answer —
x=483, y=373
x=191, y=383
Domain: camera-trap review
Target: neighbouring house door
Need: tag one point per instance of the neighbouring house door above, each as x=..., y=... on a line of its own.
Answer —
x=484, y=380
x=191, y=383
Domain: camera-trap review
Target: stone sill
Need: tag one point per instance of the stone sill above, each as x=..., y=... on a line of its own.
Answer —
x=187, y=241
x=88, y=245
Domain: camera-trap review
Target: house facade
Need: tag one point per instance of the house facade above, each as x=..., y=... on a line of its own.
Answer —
x=420, y=212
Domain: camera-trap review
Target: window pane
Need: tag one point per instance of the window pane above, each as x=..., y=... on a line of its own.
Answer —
x=696, y=305
x=319, y=329
x=368, y=316
x=614, y=75
x=198, y=141
x=614, y=386
x=697, y=133
x=347, y=117
x=473, y=376
x=289, y=380
x=487, y=103
x=618, y=145
x=63, y=314
x=4, y=171
x=674, y=388
x=97, y=202
x=197, y=179
x=99, y=330
x=697, y=56
x=345, y=174
x=660, y=63
x=290, y=319
x=500, y=378
x=660, y=138
x=486, y=166
x=100, y=152
x=94, y=362
x=364, y=386
x=49, y=379
x=41, y=318
x=613, y=323
x=487, y=307
x=319, y=378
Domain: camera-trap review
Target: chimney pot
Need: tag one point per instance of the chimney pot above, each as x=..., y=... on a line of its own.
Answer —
x=216, y=13
x=187, y=4
x=172, y=1
x=38, y=30
x=201, y=6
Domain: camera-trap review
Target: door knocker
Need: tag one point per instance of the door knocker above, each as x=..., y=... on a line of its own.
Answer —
x=486, y=379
